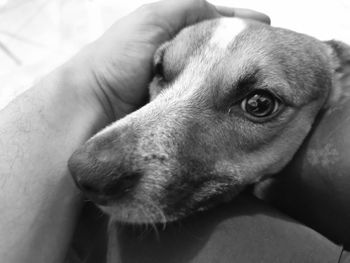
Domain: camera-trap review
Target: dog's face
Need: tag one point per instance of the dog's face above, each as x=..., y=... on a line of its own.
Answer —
x=231, y=102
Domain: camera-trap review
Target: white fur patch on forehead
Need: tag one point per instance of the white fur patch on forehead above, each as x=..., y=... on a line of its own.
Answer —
x=226, y=31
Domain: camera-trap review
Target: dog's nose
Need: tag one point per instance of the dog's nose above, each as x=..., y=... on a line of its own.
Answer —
x=99, y=173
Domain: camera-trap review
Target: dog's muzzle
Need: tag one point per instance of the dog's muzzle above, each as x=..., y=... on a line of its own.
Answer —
x=99, y=172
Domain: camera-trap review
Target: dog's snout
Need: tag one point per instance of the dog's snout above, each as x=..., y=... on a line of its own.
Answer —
x=100, y=174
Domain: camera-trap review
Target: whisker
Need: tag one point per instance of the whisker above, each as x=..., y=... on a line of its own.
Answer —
x=145, y=225
x=152, y=224
x=160, y=212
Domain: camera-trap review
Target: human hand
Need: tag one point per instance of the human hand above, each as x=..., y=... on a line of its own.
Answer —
x=118, y=65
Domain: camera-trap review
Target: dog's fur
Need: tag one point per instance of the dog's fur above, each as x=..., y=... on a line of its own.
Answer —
x=195, y=145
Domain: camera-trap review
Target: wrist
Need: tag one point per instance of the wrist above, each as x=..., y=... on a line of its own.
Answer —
x=74, y=85
x=111, y=77
x=87, y=74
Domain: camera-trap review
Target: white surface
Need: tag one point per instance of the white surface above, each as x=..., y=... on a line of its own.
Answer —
x=38, y=35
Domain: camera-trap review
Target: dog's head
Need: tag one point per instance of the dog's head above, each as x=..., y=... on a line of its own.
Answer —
x=231, y=102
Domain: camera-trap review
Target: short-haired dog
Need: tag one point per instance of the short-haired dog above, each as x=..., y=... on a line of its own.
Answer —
x=231, y=102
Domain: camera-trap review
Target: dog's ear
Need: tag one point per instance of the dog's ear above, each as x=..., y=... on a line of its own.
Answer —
x=340, y=56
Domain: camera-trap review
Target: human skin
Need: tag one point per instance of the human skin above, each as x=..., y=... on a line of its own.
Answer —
x=40, y=129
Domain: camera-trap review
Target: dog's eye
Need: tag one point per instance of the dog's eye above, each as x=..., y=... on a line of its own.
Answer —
x=260, y=104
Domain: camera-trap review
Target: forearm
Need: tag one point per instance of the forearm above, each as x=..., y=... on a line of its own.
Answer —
x=38, y=200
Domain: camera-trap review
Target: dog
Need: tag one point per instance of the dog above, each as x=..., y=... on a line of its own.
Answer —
x=230, y=104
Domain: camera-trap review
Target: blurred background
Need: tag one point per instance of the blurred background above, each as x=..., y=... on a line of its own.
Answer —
x=38, y=35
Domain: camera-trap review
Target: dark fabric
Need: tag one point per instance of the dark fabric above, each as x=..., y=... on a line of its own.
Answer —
x=243, y=231
x=345, y=257
x=90, y=237
x=315, y=187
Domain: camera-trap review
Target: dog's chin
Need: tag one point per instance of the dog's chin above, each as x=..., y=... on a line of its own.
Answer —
x=141, y=216
x=137, y=215
x=150, y=213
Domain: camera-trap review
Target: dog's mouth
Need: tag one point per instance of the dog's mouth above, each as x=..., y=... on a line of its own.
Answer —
x=151, y=212
x=143, y=204
x=110, y=195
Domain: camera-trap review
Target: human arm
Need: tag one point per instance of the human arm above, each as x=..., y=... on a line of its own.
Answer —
x=39, y=203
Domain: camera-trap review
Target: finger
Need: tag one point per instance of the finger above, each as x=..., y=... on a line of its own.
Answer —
x=173, y=15
x=243, y=13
